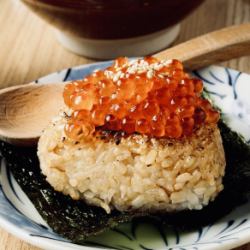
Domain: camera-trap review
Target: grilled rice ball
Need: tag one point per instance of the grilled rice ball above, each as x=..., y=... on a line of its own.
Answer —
x=135, y=172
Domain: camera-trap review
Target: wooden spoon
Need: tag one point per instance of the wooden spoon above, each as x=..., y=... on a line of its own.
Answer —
x=26, y=110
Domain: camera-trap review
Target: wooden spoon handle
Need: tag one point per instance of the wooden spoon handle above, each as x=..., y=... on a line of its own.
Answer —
x=213, y=47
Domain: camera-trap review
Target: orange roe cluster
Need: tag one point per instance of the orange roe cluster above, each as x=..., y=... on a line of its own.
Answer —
x=147, y=96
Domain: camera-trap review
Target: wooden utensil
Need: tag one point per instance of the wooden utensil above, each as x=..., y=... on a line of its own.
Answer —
x=26, y=110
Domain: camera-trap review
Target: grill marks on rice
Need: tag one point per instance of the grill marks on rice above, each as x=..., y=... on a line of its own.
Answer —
x=135, y=172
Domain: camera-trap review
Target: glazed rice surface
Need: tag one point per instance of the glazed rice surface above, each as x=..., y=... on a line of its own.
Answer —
x=135, y=172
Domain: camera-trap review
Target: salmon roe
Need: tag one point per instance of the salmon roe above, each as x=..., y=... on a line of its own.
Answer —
x=146, y=96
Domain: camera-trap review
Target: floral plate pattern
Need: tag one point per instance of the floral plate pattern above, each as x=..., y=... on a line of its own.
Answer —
x=229, y=89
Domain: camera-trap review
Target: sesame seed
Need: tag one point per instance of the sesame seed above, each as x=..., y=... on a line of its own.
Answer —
x=150, y=74
x=115, y=107
x=78, y=100
x=117, y=76
x=133, y=109
x=154, y=118
x=166, y=62
x=75, y=113
x=114, y=95
x=158, y=66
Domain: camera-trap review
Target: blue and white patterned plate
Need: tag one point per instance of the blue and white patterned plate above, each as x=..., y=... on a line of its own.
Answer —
x=230, y=91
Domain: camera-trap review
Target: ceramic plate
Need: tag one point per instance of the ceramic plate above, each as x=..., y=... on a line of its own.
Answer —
x=229, y=89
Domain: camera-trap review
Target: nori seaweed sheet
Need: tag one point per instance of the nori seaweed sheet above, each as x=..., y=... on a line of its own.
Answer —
x=76, y=220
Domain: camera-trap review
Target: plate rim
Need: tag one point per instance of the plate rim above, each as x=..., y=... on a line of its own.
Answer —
x=53, y=244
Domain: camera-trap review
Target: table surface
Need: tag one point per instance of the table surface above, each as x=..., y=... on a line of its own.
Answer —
x=29, y=50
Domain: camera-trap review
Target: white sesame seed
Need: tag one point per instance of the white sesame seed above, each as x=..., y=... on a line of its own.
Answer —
x=119, y=82
x=166, y=62
x=154, y=118
x=108, y=117
x=78, y=100
x=75, y=113
x=117, y=76
x=150, y=74
x=114, y=95
x=115, y=107
x=158, y=66
x=133, y=109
